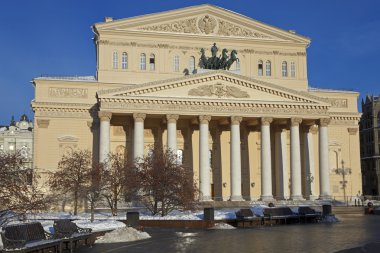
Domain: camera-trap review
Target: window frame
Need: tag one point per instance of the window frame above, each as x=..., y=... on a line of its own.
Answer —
x=124, y=60
x=143, y=61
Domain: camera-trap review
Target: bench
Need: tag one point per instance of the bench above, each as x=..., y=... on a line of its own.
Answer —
x=280, y=214
x=27, y=237
x=246, y=215
x=71, y=234
x=308, y=213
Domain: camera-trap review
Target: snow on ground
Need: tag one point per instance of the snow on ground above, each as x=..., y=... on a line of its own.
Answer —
x=125, y=234
x=222, y=226
x=330, y=219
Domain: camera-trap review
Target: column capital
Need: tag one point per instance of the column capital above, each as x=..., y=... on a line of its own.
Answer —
x=235, y=120
x=324, y=122
x=139, y=117
x=295, y=121
x=352, y=130
x=172, y=118
x=265, y=121
x=313, y=129
x=204, y=119
x=104, y=116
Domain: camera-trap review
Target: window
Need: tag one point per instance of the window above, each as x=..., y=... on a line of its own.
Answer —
x=152, y=62
x=191, y=65
x=378, y=120
x=292, y=69
x=268, y=70
x=176, y=63
x=284, y=69
x=124, y=61
x=260, y=68
x=114, y=60
x=142, y=61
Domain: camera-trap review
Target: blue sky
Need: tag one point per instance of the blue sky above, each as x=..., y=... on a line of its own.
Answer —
x=54, y=37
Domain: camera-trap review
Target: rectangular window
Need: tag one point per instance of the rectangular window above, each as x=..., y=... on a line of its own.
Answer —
x=114, y=60
x=292, y=69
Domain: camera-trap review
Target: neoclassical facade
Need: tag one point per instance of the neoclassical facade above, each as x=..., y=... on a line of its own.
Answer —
x=254, y=131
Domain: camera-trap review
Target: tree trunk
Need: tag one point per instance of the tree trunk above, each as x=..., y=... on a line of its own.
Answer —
x=114, y=209
x=92, y=211
x=75, y=203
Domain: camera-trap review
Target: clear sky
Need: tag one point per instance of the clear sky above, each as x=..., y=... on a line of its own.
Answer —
x=39, y=37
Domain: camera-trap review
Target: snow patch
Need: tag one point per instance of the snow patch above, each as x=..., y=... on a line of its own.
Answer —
x=183, y=234
x=222, y=226
x=330, y=219
x=126, y=234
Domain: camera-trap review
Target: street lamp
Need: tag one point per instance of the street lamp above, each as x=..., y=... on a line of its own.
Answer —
x=343, y=171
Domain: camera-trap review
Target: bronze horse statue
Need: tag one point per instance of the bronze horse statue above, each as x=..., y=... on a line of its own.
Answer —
x=214, y=62
x=233, y=58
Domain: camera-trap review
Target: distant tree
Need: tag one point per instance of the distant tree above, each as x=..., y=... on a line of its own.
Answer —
x=73, y=175
x=19, y=191
x=114, y=180
x=164, y=185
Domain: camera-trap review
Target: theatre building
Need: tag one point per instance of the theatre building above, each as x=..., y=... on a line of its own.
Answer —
x=227, y=93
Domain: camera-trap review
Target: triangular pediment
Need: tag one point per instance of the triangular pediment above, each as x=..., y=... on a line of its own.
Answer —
x=216, y=85
x=203, y=20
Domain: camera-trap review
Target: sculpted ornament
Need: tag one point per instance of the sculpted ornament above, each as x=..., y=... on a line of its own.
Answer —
x=207, y=24
x=180, y=26
x=219, y=90
x=229, y=29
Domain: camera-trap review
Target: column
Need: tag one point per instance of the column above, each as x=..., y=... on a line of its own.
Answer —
x=172, y=132
x=282, y=183
x=309, y=161
x=324, y=170
x=235, y=159
x=138, y=137
x=104, y=142
x=266, y=160
x=295, y=159
x=204, y=159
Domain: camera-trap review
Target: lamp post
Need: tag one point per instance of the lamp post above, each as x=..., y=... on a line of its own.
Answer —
x=343, y=171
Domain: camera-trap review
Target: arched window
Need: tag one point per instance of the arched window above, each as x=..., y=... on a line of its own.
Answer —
x=152, y=62
x=191, y=64
x=124, y=61
x=292, y=69
x=284, y=69
x=142, y=61
x=268, y=68
x=114, y=60
x=176, y=63
x=260, y=68
x=237, y=65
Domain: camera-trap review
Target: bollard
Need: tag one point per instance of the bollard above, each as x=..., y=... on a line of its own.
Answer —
x=208, y=213
x=133, y=219
x=326, y=210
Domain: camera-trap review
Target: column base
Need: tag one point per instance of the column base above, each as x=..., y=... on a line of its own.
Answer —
x=298, y=197
x=267, y=198
x=205, y=198
x=312, y=197
x=325, y=197
x=236, y=198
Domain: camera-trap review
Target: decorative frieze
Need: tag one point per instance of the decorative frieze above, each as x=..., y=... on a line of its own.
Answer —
x=338, y=102
x=219, y=90
x=68, y=92
x=43, y=123
x=180, y=26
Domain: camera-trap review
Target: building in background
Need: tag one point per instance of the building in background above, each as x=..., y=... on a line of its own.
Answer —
x=370, y=145
x=18, y=136
x=162, y=79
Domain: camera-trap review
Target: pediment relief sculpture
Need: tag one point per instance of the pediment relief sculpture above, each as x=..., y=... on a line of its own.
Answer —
x=218, y=90
x=205, y=24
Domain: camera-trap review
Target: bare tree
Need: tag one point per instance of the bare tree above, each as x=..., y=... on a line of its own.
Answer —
x=164, y=184
x=19, y=191
x=73, y=175
x=96, y=187
x=114, y=180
